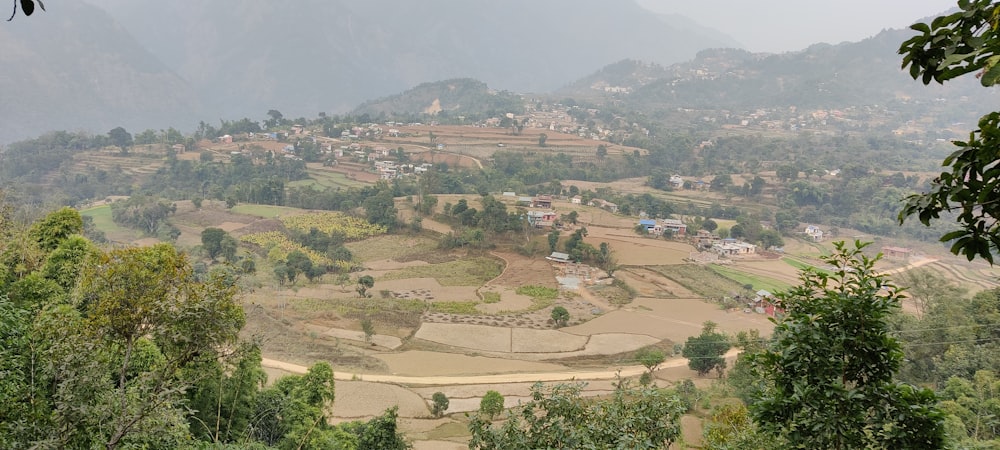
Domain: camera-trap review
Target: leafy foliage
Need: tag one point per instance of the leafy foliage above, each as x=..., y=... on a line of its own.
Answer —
x=352, y=228
x=142, y=212
x=558, y=417
x=650, y=357
x=829, y=370
x=538, y=292
x=560, y=316
x=439, y=404
x=705, y=351
x=951, y=46
x=731, y=428
x=491, y=404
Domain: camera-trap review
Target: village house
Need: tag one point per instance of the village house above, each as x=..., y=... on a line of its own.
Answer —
x=558, y=257
x=705, y=239
x=763, y=303
x=676, y=181
x=542, y=201
x=813, y=232
x=651, y=226
x=731, y=247
x=675, y=226
x=541, y=219
x=576, y=200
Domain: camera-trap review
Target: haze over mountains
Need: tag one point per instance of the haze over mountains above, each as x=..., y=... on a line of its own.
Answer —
x=153, y=64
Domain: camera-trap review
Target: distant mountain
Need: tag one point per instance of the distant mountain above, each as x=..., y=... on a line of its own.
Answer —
x=821, y=76
x=462, y=96
x=248, y=56
x=73, y=67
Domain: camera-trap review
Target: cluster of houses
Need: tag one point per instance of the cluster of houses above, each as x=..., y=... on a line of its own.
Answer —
x=733, y=247
x=389, y=170
x=728, y=247
x=672, y=227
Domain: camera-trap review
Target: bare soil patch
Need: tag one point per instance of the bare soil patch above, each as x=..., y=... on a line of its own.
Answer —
x=674, y=319
x=525, y=340
x=423, y=363
x=510, y=300
x=522, y=270
x=357, y=399
x=631, y=249
x=478, y=337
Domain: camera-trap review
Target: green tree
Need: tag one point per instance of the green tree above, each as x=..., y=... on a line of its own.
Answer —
x=722, y=182
x=553, y=238
x=365, y=284
x=149, y=318
x=651, y=358
x=380, y=209
x=368, y=328
x=56, y=227
x=222, y=404
x=705, y=351
x=64, y=264
x=143, y=212
x=491, y=404
x=770, y=239
x=602, y=152
x=560, y=316
x=228, y=247
x=829, y=369
x=541, y=139
x=120, y=138
x=731, y=427
x=439, y=404
x=275, y=119
x=558, y=417
x=343, y=279
x=211, y=241
x=957, y=44
x=709, y=225
x=297, y=263
x=973, y=407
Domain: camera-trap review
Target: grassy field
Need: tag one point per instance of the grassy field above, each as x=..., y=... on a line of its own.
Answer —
x=266, y=211
x=393, y=246
x=744, y=279
x=321, y=179
x=802, y=265
x=463, y=272
x=701, y=280
x=103, y=222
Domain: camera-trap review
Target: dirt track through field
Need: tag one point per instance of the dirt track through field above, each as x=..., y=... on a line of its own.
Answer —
x=624, y=371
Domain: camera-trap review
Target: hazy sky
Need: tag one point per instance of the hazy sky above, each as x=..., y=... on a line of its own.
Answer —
x=788, y=25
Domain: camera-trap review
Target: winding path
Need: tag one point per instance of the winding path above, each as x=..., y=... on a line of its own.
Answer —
x=625, y=371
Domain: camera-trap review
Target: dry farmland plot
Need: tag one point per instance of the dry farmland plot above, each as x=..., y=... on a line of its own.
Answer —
x=699, y=279
x=395, y=247
x=363, y=399
x=673, y=319
x=524, y=271
x=634, y=250
x=464, y=272
x=424, y=363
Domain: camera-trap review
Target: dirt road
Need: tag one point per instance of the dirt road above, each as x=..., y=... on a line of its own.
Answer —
x=626, y=371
